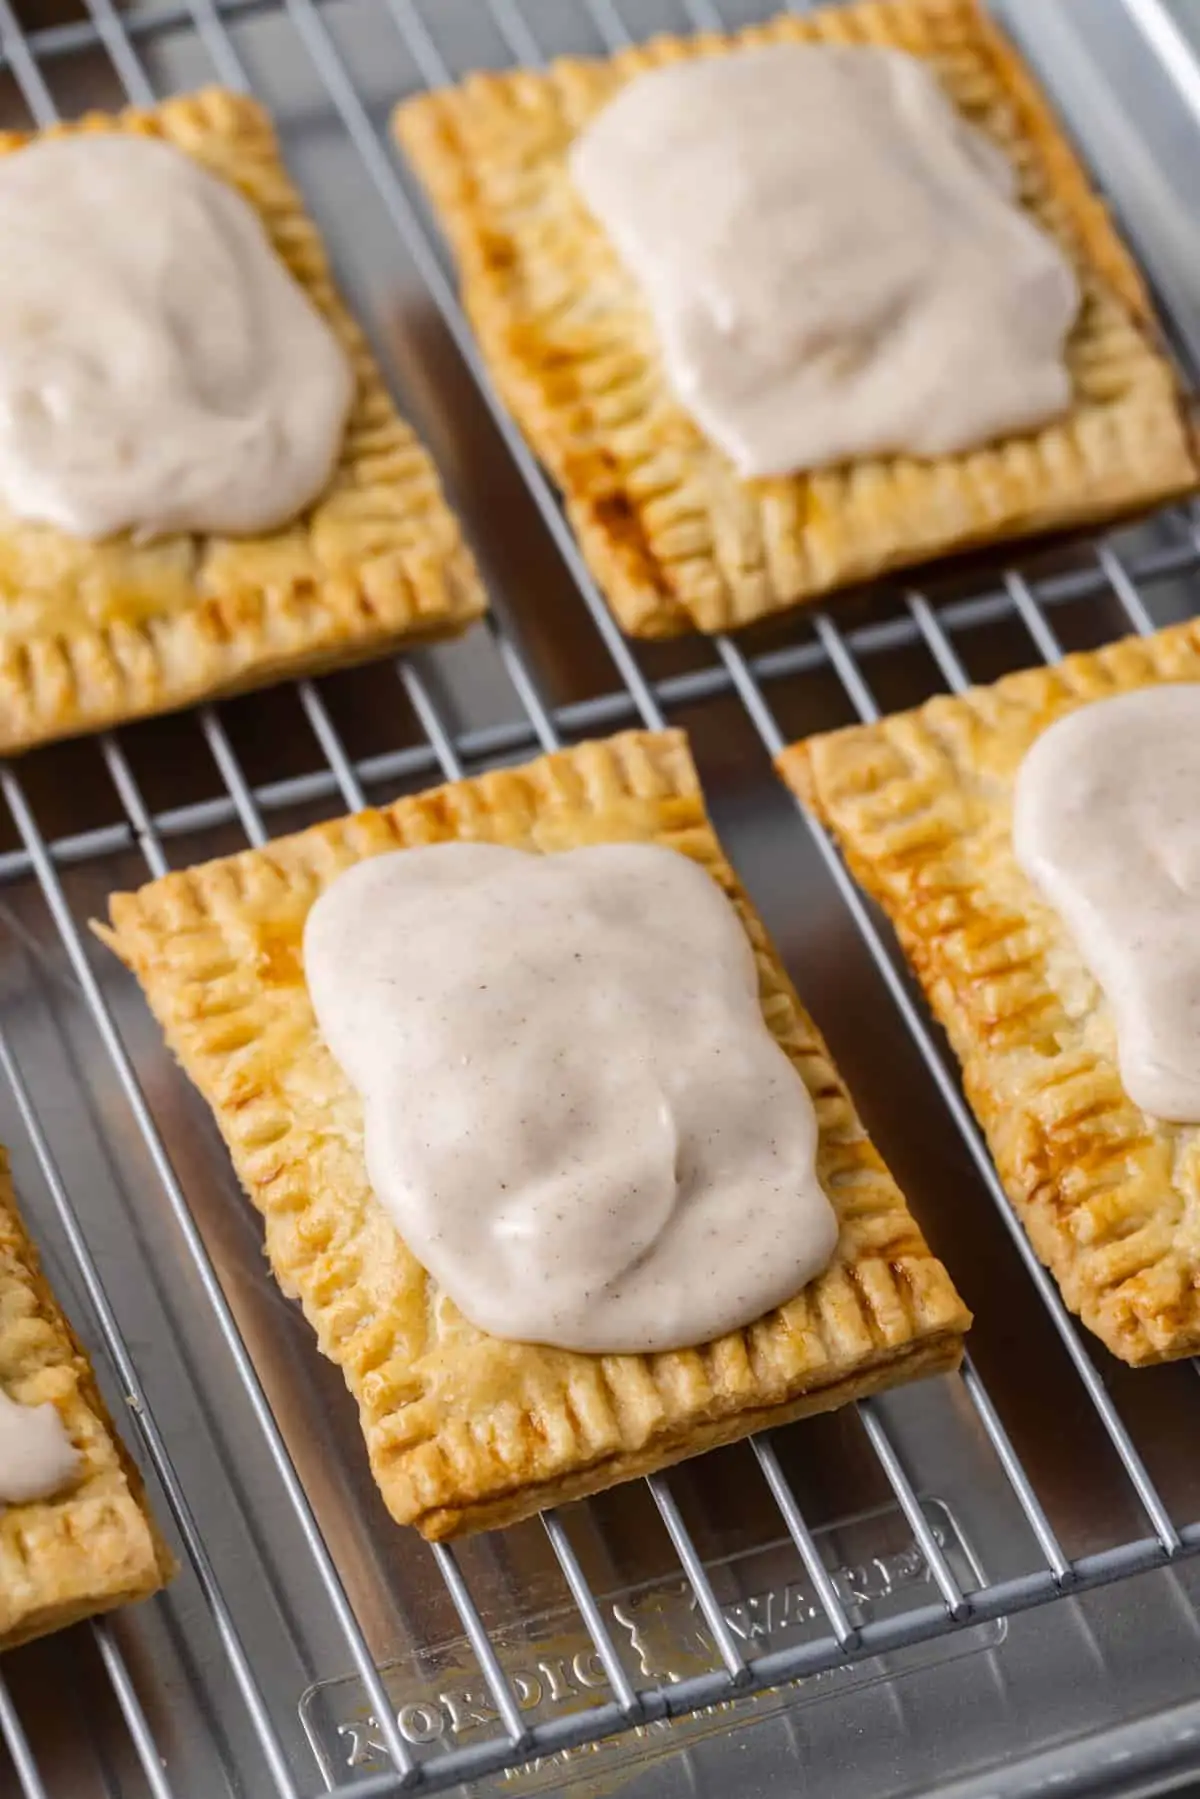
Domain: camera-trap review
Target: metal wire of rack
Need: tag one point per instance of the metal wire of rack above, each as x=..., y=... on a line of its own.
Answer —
x=632, y=697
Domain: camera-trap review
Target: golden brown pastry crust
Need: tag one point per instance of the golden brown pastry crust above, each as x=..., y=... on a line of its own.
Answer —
x=921, y=804
x=676, y=540
x=93, y=1546
x=92, y=633
x=465, y=1431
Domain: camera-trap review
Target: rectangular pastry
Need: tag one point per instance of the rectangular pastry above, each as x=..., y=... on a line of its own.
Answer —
x=466, y=1431
x=99, y=631
x=675, y=538
x=921, y=804
x=93, y=1545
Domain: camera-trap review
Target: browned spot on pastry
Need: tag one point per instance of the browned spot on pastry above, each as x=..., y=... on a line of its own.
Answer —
x=280, y=960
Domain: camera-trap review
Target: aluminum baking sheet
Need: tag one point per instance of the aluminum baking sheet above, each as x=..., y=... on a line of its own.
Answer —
x=1012, y=1548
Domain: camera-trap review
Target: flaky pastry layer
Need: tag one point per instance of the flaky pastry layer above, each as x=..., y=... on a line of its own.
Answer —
x=676, y=539
x=465, y=1431
x=921, y=804
x=92, y=633
x=94, y=1545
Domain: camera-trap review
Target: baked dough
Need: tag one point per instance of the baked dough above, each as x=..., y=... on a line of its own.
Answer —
x=921, y=804
x=465, y=1431
x=675, y=538
x=94, y=1545
x=92, y=633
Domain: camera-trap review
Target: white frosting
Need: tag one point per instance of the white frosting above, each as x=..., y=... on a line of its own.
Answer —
x=36, y=1454
x=1107, y=824
x=160, y=370
x=575, y=1112
x=835, y=261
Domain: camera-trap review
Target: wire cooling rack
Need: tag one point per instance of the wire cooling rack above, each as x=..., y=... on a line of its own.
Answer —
x=1119, y=578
